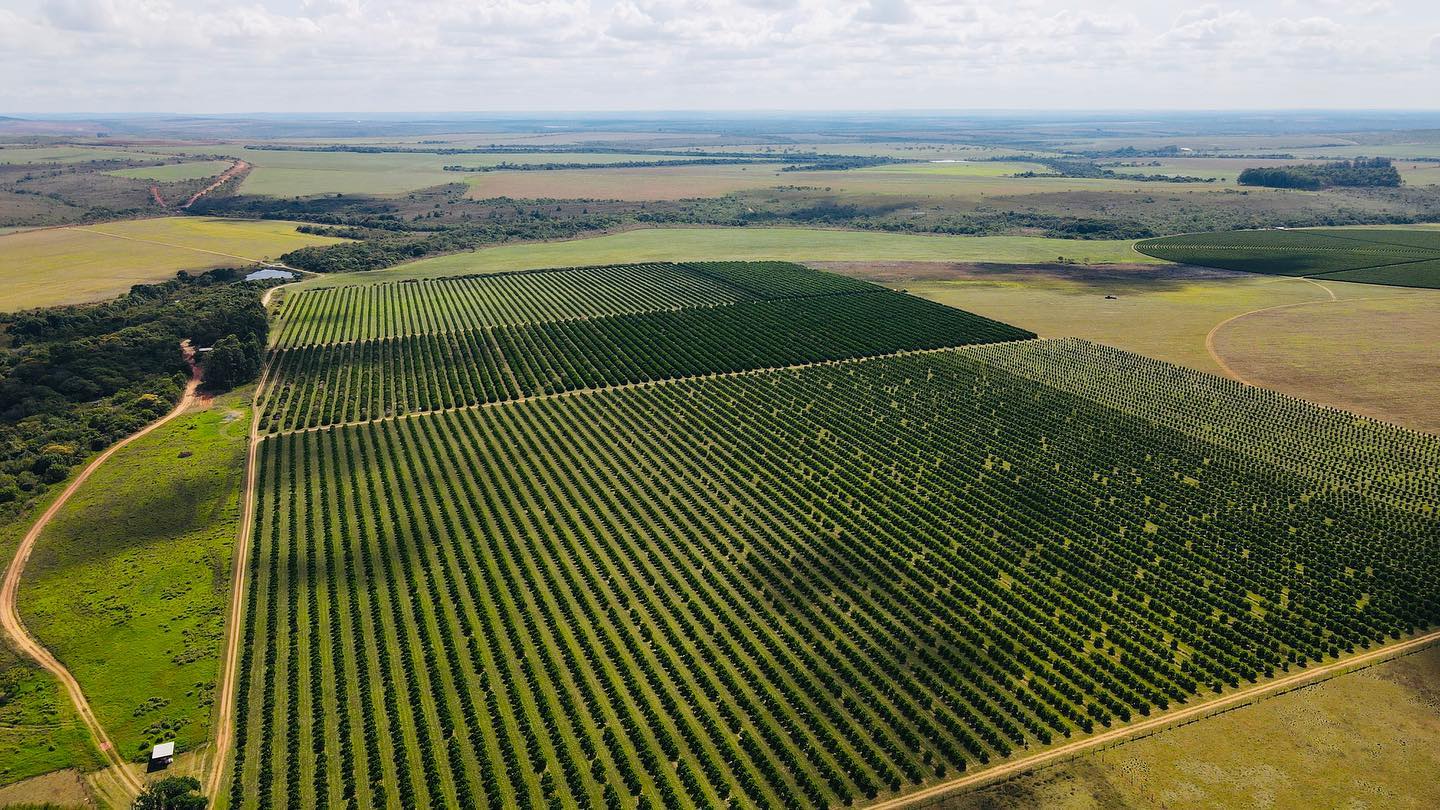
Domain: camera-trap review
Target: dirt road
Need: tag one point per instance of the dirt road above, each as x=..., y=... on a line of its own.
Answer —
x=15, y=626
x=1263, y=689
x=226, y=176
x=225, y=700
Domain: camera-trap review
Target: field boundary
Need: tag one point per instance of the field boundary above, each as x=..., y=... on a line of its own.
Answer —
x=1158, y=723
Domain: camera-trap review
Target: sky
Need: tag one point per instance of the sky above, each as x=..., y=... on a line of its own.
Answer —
x=231, y=56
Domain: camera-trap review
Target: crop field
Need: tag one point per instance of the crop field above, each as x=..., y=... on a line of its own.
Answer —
x=804, y=587
x=174, y=172
x=323, y=385
x=90, y=263
x=1405, y=258
x=337, y=314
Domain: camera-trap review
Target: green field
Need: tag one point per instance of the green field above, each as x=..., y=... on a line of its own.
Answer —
x=279, y=173
x=127, y=586
x=803, y=587
x=94, y=262
x=1405, y=258
x=63, y=154
x=752, y=244
x=812, y=322
x=175, y=172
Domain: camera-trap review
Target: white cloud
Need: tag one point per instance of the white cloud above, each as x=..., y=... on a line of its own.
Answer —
x=623, y=54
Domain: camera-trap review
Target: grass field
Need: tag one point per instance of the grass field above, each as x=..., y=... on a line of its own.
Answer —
x=90, y=263
x=751, y=244
x=298, y=174
x=1365, y=740
x=1399, y=257
x=127, y=586
x=971, y=182
x=174, y=172
x=1333, y=353
x=61, y=154
x=39, y=730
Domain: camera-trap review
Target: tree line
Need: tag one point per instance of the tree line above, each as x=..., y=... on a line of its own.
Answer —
x=1357, y=173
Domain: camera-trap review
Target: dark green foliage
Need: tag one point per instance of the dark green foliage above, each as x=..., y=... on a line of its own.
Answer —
x=1360, y=172
x=321, y=385
x=77, y=378
x=172, y=793
x=803, y=588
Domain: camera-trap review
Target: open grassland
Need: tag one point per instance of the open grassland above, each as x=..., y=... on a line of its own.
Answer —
x=1399, y=257
x=62, y=154
x=929, y=180
x=94, y=262
x=280, y=173
x=751, y=244
x=1338, y=353
x=127, y=585
x=1368, y=739
x=176, y=172
x=802, y=587
x=958, y=168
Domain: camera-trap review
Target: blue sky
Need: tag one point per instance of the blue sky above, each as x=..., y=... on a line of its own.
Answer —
x=419, y=55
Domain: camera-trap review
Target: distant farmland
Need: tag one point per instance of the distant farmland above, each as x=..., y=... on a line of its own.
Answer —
x=1403, y=258
x=787, y=585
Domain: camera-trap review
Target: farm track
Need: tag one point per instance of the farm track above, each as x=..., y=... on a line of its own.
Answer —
x=1159, y=722
x=181, y=247
x=1210, y=336
x=225, y=716
x=15, y=627
x=239, y=168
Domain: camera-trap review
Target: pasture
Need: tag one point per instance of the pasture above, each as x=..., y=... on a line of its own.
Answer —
x=970, y=182
x=175, y=172
x=280, y=173
x=1398, y=257
x=127, y=585
x=1369, y=739
x=751, y=244
x=78, y=264
x=801, y=586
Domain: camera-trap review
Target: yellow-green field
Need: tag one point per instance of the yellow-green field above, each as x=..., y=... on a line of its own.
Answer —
x=298, y=174
x=1368, y=739
x=95, y=262
x=790, y=244
x=968, y=181
x=175, y=172
x=59, y=154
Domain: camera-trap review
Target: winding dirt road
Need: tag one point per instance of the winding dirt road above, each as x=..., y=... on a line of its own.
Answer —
x=1140, y=728
x=239, y=168
x=15, y=627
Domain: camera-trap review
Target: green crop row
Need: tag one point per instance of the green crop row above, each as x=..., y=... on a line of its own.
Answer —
x=323, y=385
x=804, y=587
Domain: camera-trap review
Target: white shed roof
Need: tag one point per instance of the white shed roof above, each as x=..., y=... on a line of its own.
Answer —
x=165, y=749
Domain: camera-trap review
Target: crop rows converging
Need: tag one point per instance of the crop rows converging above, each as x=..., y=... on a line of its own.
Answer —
x=802, y=587
x=1408, y=258
x=322, y=385
x=367, y=312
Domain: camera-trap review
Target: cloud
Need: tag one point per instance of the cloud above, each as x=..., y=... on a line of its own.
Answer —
x=127, y=55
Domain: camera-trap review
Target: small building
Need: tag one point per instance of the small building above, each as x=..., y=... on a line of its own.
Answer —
x=162, y=756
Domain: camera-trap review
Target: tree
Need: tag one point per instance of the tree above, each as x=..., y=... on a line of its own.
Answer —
x=174, y=793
